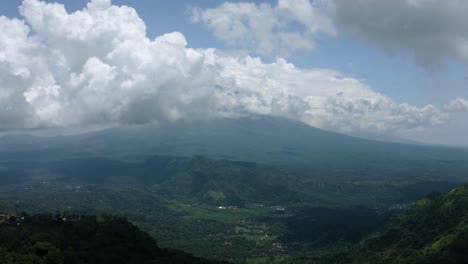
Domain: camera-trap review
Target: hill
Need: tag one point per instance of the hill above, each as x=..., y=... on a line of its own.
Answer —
x=81, y=239
x=434, y=231
x=224, y=182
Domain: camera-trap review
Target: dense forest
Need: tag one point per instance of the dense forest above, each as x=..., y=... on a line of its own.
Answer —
x=69, y=238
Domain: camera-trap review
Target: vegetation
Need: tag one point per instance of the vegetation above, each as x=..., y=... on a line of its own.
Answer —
x=55, y=239
x=226, y=210
x=302, y=194
x=434, y=231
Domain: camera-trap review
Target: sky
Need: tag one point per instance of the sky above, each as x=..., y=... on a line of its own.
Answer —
x=397, y=68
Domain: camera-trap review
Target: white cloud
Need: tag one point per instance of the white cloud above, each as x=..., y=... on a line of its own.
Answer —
x=22, y=65
x=322, y=98
x=291, y=25
x=459, y=104
x=96, y=66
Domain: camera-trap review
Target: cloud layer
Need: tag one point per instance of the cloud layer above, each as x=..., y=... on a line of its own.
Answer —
x=431, y=30
x=97, y=66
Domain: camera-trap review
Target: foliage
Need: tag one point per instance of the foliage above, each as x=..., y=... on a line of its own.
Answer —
x=54, y=239
x=434, y=231
x=177, y=200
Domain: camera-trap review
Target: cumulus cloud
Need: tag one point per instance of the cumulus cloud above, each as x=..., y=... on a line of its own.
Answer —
x=97, y=66
x=322, y=98
x=289, y=26
x=21, y=66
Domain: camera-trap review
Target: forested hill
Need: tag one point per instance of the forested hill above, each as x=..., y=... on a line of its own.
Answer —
x=77, y=239
x=434, y=231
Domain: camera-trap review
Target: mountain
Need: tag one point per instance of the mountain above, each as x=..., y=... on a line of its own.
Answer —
x=293, y=162
x=433, y=231
x=264, y=140
x=56, y=239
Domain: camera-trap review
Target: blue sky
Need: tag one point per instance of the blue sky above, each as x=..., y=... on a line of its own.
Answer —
x=392, y=71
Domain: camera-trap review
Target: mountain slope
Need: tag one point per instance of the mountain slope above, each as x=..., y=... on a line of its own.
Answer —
x=264, y=140
x=434, y=231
